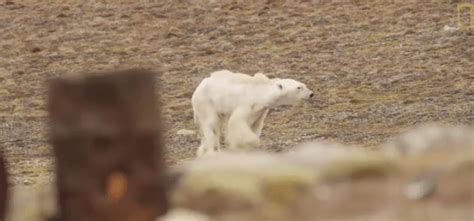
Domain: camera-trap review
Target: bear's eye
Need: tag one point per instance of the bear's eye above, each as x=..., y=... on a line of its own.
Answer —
x=299, y=88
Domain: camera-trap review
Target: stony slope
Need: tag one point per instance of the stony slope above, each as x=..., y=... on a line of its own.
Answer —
x=377, y=68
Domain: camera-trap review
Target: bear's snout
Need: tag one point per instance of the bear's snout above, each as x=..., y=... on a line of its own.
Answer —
x=311, y=95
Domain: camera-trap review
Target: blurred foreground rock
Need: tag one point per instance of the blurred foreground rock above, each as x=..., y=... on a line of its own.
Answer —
x=254, y=183
x=432, y=138
x=425, y=174
x=327, y=181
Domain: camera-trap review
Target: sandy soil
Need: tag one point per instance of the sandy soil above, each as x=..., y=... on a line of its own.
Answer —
x=377, y=69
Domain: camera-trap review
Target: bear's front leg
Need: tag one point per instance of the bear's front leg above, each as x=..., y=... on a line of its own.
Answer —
x=257, y=126
x=239, y=133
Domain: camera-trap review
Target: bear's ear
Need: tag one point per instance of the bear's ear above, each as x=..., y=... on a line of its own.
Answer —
x=280, y=86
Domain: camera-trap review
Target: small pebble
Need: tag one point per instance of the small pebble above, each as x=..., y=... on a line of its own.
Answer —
x=184, y=215
x=420, y=189
x=449, y=28
x=27, y=182
x=185, y=132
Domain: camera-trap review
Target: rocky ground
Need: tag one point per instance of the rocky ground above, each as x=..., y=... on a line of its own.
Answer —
x=377, y=69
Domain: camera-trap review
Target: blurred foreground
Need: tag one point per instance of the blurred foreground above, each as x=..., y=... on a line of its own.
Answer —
x=425, y=174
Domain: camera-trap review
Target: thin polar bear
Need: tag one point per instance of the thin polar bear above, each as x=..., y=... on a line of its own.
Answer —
x=239, y=104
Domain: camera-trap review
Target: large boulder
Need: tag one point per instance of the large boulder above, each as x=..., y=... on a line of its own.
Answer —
x=431, y=138
x=254, y=183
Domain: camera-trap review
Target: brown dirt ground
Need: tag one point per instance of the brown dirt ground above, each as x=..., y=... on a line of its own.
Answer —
x=377, y=68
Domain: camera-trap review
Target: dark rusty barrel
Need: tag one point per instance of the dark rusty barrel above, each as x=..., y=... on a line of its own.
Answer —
x=3, y=189
x=105, y=134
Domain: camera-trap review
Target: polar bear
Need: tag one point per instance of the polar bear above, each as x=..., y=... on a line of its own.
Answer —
x=239, y=104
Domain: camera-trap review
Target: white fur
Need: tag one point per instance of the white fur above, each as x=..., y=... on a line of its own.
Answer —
x=242, y=101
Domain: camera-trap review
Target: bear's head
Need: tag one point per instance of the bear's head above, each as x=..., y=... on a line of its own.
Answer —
x=291, y=92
